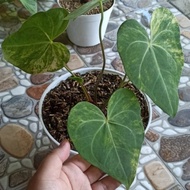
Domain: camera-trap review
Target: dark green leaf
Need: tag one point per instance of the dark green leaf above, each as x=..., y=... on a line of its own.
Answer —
x=111, y=143
x=2, y=1
x=78, y=79
x=83, y=9
x=154, y=65
x=32, y=48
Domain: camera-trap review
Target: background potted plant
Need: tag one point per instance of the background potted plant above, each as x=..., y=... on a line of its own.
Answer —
x=83, y=31
x=153, y=64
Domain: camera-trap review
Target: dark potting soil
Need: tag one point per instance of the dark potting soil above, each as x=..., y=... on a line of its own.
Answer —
x=59, y=101
x=71, y=5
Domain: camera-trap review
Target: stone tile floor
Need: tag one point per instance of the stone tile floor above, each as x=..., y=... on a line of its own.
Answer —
x=182, y=5
x=165, y=156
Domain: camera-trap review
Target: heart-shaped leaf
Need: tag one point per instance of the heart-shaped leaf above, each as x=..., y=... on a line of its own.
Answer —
x=111, y=143
x=32, y=48
x=154, y=64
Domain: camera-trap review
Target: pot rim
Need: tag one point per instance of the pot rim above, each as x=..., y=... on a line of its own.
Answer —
x=92, y=15
x=57, y=81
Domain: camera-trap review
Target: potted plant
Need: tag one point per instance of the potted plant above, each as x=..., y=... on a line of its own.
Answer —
x=152, y=63
x=83, y=31
x=64, y=92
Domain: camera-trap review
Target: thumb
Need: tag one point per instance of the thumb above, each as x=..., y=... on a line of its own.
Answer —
x=62, y=151
x=54, y=160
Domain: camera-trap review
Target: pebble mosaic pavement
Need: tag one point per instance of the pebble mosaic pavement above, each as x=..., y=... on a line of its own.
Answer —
x=164, y=163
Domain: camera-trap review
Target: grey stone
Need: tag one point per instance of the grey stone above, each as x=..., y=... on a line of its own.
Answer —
x=3, y=34
x=144, y=3
x=146, y=18
x=185, y=72
x=152, y=136
x=174, y=149
x=3, y=166
x=182, y=5
x=164, y=3
x=1, y=119
x=124, y=9
x=97, y=59
x=117, y=64
x=17, y=107
x=155, y=114
x=183, y=21
x=36, y=109
x=186, y=34
x=187, y=56
x=75, y=62
x=184, y=94
x=8, y=80
x=23, y=13
x=177, y=187
x=181, y=119
x=41, y=78
x=3, y=8
x=186, y=171
x=9, y=22
x=39, y=157
x=2, y=155
x=187, y=186
x=111, y=26
x=115, y=13
x=131, y=15
x=130, y=3
x=1, y=188
x=114, y=49
x=94, y=49
x=16, y=140
x=158, y=175
x=111, y=35
x=19, y=177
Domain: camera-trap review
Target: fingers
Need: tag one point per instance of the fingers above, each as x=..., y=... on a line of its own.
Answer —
x=93, y=174
x=78, y=161
x=106, y=183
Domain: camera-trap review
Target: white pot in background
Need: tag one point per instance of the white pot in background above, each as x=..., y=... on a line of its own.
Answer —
x=57, y=81
x=84, y=31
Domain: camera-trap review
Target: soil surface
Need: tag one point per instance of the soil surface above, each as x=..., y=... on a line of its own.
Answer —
x=59, y=101
x=71, y=5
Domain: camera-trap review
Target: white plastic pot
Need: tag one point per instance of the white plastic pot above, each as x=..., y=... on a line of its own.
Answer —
x=64, y=77
x=84, y=31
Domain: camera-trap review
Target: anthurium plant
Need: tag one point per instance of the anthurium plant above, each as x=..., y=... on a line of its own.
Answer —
x=31, y=5
x=152, y=62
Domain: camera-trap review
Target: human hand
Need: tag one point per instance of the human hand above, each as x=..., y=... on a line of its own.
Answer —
x=58, y=173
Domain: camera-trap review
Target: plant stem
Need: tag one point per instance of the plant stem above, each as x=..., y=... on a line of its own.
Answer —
x=69, y=70
x=103, y=53
x=88, y=97
x=123, y=81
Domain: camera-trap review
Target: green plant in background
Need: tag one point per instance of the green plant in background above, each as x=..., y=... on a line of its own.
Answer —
x=3, y=1
x=30, y=5
x=152, y=62
x=39, y=53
